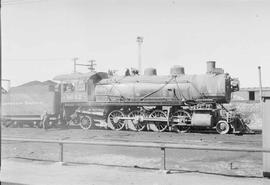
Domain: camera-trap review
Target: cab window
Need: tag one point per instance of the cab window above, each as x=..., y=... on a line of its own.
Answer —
x=80, y=85
x=68, y=87
x=75, y=86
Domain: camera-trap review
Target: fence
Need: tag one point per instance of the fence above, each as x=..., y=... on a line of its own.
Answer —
x=161, y=146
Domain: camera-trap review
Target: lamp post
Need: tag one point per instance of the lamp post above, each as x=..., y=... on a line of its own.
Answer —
x=261, y=90
x=260, y=82
x=140, y=41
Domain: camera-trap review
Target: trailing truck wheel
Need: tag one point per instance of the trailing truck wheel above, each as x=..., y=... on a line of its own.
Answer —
x=86, y=122
x=113, y=119
x=223, y=127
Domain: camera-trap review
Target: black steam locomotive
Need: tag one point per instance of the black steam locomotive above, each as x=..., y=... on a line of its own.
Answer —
x=176, y=102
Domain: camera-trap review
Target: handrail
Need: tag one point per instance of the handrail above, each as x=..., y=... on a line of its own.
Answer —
x=161, y=146
x=142, y=144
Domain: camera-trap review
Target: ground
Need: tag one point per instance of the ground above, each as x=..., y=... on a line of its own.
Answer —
x=207, y=162
x=48, y=173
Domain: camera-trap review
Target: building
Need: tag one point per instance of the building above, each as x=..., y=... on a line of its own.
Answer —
x=250, y=94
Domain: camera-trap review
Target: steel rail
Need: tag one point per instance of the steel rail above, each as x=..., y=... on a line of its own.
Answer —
x=162, y=146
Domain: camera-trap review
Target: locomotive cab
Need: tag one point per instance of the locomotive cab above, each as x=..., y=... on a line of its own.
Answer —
x=79, y=87
x=74, y=90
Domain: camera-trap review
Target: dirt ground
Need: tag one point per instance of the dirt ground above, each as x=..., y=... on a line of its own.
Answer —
x=44, y=173
x=208, y=162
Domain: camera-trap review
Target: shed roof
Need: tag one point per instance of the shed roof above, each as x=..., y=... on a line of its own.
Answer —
x=3, y=90
x=254, y=89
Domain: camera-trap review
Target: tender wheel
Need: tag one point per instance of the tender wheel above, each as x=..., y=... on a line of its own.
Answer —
x=86, y=122
x=35, y=124
x=223, y=127
x=161, y=126
x=138, y=125
x=15, y=124
x=184, y=117
x=113, y=119
x=7, y=123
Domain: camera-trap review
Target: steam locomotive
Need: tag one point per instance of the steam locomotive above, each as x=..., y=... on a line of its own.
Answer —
x=175, y=102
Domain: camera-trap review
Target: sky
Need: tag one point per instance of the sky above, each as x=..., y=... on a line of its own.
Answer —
x=40, y=37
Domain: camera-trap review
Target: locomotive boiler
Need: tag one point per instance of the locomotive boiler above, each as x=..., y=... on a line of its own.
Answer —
x=170, y=102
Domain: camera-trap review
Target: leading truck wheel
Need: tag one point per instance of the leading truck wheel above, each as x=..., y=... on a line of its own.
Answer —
x=223, y=127
x=184, y=117
x=86, y=122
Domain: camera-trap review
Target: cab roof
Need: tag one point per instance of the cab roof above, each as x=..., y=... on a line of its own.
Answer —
x=81, y=76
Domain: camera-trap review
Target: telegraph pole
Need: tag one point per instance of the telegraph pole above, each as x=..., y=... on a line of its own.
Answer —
x=74, y=63
x=140, y=41
x=91, y=65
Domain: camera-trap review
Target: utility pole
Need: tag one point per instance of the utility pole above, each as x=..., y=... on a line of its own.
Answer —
x=140, y=41
x=74, y=63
